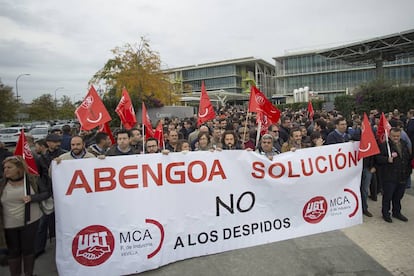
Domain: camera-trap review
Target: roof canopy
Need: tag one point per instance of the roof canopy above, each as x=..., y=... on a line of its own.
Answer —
x=382, y=48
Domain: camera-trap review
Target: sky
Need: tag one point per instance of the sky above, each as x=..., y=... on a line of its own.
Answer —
x=62, y=44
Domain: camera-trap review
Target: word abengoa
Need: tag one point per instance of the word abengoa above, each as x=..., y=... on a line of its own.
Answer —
x=198, y=171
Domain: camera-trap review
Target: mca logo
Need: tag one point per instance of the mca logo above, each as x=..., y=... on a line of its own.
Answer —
x=93, y=245
x=315, y=209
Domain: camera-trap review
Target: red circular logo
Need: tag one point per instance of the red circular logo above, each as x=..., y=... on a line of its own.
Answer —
x=93, y=245
x=315, y=209
x=260, y=100
x=87, y=103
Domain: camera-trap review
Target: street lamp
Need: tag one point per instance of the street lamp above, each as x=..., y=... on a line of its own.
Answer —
x=17, y=87
x=56, y=99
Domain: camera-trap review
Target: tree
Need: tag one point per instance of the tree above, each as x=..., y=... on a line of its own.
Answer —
x=67, y=109
x=137, y=68
x=38, y=109
x=378, y=94
x=8, y=103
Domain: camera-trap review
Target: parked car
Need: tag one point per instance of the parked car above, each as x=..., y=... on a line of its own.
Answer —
x=10, y=135
x=39, y=132
x=39, y=124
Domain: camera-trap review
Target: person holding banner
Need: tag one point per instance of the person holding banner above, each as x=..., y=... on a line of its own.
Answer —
x=295, y=141
x=266, y=147
x=395, y=161
x=203, y=142
x=102, y=144
x=122, y=146
x=229, y=140
x=151, y=146
x=77, y=150
x=20, y=213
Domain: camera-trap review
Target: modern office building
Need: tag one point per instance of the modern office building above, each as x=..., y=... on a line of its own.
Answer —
x=337, y=71
x=226, y=80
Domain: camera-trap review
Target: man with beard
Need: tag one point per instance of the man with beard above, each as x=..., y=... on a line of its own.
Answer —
x=77, y=150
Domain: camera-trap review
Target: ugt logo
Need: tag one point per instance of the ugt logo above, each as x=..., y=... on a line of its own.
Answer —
x=315, y=209
x=93, y=245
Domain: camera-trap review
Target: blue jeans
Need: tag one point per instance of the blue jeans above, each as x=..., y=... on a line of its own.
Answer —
x=365, y=183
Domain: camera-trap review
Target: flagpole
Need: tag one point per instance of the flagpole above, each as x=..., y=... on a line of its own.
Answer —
x=143, y=137
x=24, y=174
x=388, y=145
x=259, y=128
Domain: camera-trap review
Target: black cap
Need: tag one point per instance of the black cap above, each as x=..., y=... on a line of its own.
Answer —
x=53, y=138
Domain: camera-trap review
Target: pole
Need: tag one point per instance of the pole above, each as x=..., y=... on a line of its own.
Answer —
x=56, y=100
x=17, y=85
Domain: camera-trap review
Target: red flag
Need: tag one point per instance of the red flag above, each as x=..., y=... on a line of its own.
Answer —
x=159, y=134
x=259, y=103
x=149, y=132
x=205, y=108
x=384, y=127
x=265, y=123
x=23, y=149
x=92, y=112
x=310, y=110
x=125, y=111
x=368, y=145
x=105, y=128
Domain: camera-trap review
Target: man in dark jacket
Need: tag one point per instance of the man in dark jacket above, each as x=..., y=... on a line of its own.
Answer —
x=395, y=161
x=47, y=222
x=339, y=135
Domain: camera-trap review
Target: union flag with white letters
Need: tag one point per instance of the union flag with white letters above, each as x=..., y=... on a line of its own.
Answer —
x=92, y=112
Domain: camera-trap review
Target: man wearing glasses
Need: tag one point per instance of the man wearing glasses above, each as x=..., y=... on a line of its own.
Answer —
x=277, y=140
x=151, y=145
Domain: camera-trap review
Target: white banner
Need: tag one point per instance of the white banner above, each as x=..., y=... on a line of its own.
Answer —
x=128, y=214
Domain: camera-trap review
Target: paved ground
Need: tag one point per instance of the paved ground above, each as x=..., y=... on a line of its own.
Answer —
x=372, y=248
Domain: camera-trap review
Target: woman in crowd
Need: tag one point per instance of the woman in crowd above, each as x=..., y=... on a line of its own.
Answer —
x=183, y=146
x=20, y=213
x=316, y=139
x=203, y=143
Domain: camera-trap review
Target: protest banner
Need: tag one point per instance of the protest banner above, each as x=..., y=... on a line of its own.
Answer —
x=128, y=214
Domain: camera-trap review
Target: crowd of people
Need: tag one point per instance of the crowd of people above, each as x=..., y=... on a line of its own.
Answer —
x=25, y=225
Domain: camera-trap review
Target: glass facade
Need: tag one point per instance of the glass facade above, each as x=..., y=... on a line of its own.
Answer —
x=331, y=77
x=232, y=76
